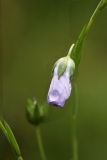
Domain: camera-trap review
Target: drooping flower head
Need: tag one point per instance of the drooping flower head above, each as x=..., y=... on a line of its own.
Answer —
x=60, y=88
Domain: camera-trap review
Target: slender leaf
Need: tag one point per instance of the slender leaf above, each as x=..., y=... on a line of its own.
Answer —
x=78, y=48
x=12, y=140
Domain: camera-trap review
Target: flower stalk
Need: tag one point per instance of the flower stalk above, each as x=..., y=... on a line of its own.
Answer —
x=42, y=152
x=74, y=139
x=70, y=50
x=74, y=116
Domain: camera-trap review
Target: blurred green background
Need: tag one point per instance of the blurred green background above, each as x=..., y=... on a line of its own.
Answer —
x=34, y=35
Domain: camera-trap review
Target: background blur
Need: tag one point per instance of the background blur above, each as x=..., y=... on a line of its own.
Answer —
x=35, y=34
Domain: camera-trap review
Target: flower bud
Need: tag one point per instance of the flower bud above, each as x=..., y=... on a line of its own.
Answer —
x=34, y=112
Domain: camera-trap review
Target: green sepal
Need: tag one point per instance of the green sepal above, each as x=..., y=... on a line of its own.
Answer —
x=33, y=112
x=54, y=67
x=12, y=140
x=72, y=71
x=78, y=48
x=62, y=67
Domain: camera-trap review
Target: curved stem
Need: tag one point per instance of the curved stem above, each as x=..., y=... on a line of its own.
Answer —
x=40, y=143
x=70, y=50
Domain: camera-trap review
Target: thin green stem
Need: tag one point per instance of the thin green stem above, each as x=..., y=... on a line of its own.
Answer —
x=40, y=143
x=70, y=50
x=74, y=115
x=74, y=139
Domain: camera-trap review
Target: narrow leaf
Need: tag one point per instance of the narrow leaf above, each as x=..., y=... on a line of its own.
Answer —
x=103, y=6
x=12, y=140
x=78, y=48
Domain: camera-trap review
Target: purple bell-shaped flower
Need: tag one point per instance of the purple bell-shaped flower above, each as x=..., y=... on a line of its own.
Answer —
x=60, y=88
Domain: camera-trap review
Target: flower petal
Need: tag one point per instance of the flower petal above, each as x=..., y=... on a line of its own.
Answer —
x=59, y=91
